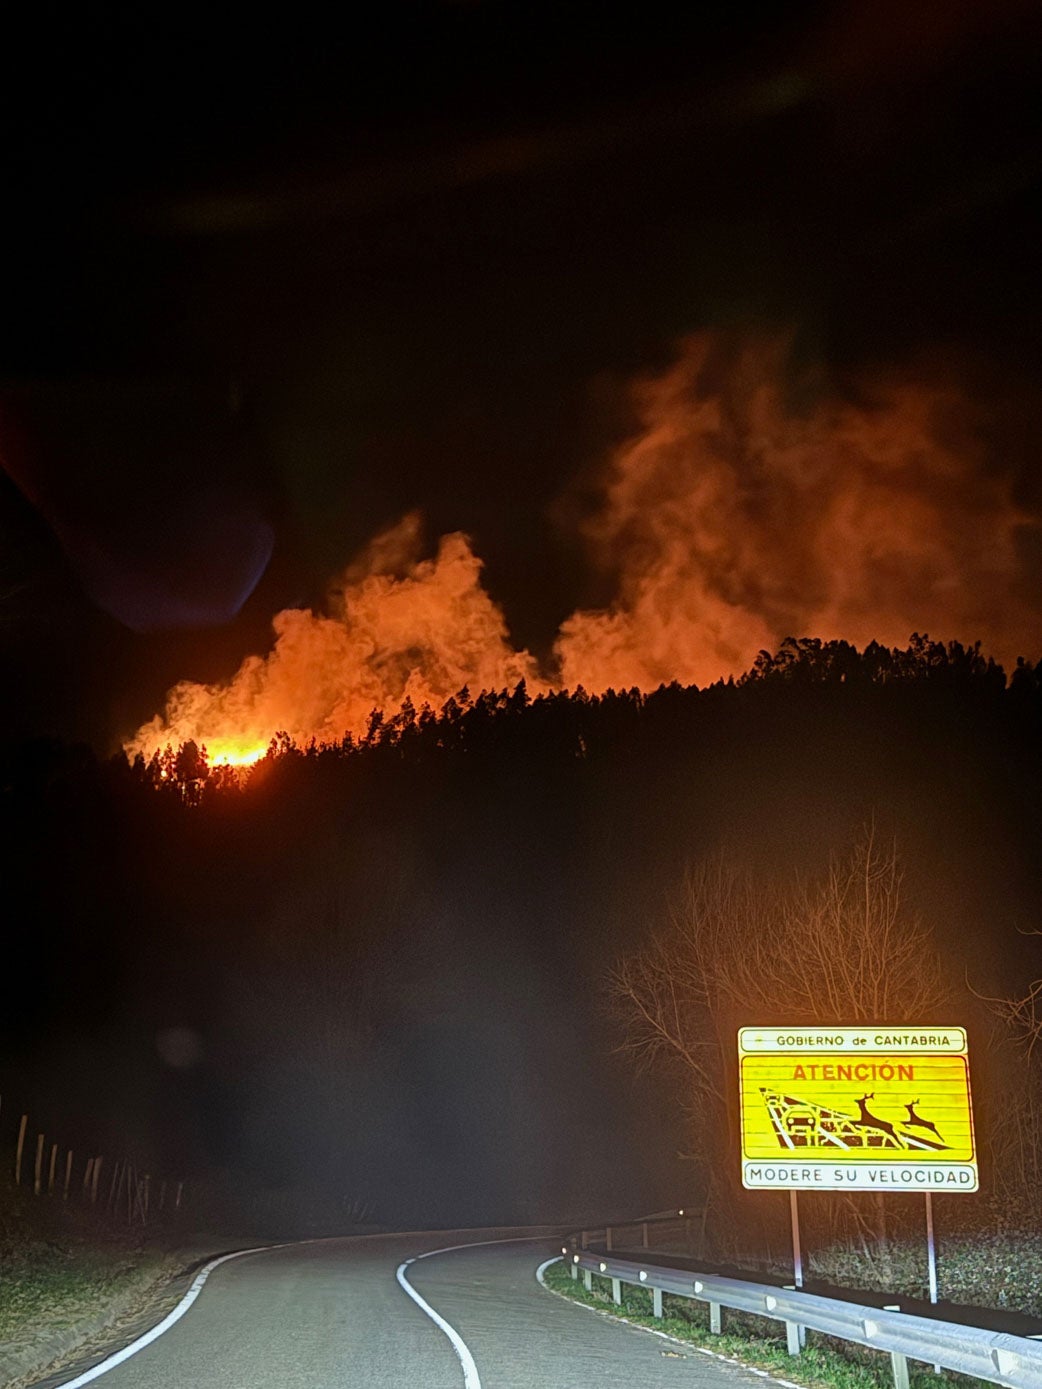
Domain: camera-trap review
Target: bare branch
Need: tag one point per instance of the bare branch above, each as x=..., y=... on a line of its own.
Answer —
x=733, y=952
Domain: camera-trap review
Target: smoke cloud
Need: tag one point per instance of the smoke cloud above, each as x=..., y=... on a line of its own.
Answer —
x=399, y=627
x=741, y=511
x=732, y=520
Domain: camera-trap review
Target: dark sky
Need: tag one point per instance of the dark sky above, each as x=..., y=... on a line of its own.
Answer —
x=271, y=283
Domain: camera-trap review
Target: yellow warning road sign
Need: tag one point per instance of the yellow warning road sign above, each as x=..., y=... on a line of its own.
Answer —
x=856, y=1108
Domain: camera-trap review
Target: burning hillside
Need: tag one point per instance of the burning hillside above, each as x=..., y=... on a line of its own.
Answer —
x=730, y=520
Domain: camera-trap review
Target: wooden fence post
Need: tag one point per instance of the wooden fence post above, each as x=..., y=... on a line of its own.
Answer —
x=94, y=1180
x=180, y=1191
x=86, y=1175
x=38, y=1166
x=50, y=1172
x=112, y=1186
x=68, y=1174
x=136, y=1205
x=18, y=1151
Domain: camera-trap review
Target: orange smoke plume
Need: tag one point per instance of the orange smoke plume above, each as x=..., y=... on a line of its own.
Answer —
x=732, y=521
x=399, y=628
x=728, y=522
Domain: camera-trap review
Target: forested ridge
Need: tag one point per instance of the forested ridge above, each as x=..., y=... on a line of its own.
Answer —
x=376, y=970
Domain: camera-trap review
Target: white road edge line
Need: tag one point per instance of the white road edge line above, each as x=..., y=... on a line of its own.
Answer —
x=471, y=1378
x=178, y=1312
x=118, y=1357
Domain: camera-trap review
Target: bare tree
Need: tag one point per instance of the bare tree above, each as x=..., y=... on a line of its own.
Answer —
x=1015, y=1133
x=1022, y=1017
x=736, y=952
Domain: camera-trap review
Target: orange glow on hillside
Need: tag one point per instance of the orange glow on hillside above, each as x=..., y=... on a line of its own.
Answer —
x=730, y=520
x=226, y=752
x=398, y=628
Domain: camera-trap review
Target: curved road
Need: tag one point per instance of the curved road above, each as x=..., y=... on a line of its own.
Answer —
x=332, y=1315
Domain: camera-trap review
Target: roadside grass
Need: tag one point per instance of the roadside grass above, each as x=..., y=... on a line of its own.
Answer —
x=754, y=1341
x=60, y=1285
x=62, y=1263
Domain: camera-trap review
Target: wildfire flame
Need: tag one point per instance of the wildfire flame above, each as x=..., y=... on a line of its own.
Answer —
x=399, y=628
x=729, y=521
x=231, y=752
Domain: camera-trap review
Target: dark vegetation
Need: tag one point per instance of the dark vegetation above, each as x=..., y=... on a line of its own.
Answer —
x=370, y=977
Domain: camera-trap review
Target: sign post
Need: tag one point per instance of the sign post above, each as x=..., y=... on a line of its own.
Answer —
x=877, y=1108
x=931, y=1248
x=797, y=1250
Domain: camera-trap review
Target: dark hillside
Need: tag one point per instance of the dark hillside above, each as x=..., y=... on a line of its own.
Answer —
x=376, y=969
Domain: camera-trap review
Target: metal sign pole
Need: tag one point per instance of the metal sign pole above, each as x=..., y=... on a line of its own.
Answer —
x=931, y=1248
x=797, y=1253
x=931, y=1255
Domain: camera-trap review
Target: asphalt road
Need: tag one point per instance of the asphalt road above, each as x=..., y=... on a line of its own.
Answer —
x=333, y=1315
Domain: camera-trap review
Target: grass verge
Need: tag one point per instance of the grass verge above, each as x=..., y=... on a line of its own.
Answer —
x=754, y=1341
x=56, y=1286
x=70, y=1276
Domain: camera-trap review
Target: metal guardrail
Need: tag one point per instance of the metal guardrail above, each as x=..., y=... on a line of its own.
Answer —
x=1015, y=1361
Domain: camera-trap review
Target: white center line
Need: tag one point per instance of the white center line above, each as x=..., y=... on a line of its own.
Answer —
x=471, y=1378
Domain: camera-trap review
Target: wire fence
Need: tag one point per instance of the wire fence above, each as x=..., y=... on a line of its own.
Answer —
x=115, y=1186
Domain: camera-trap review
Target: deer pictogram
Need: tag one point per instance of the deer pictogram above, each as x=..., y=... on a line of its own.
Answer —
x=917, y=1121
x=869, y=1120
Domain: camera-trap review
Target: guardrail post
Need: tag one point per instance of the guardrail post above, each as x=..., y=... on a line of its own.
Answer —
x=607, y=1237
x=792, y=1288
x=584, y=1239
x=575, y=1270
x=1000, y=1359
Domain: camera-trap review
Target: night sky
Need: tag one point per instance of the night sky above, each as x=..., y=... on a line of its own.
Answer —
x=271, y=285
